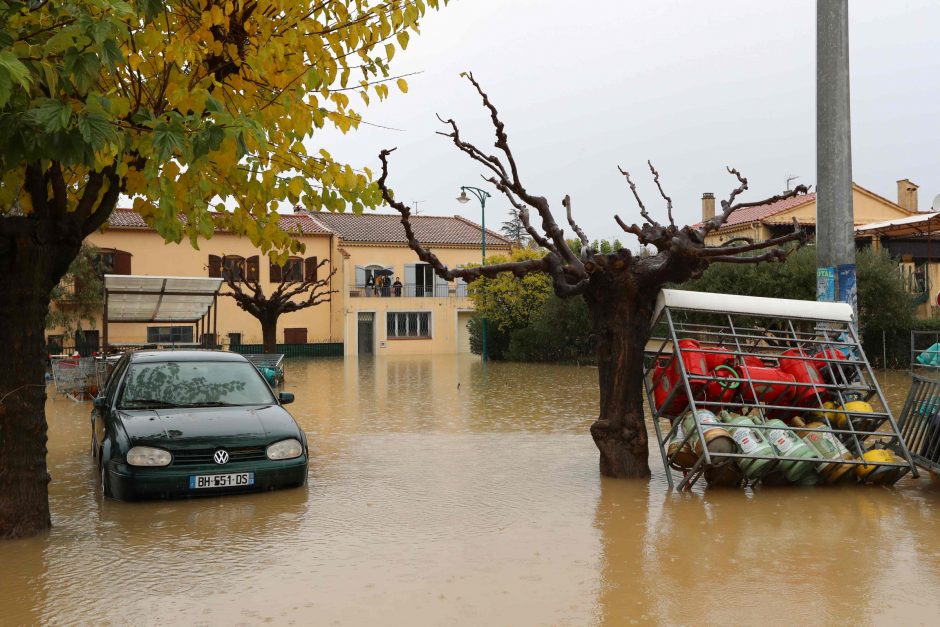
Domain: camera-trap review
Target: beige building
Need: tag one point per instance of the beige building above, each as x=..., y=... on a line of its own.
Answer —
x=773, y=219
x=425, y=315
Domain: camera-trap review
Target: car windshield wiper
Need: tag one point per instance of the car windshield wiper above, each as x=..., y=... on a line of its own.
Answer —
x=212, y=404
x=148, y=403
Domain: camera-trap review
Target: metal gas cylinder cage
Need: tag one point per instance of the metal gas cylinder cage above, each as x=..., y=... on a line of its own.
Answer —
x=787, y=372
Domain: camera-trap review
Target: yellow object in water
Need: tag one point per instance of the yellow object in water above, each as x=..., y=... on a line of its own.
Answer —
x=856, y=407
x=874, y=455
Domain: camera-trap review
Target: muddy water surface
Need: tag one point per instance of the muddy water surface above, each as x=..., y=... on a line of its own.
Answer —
x=443, y=494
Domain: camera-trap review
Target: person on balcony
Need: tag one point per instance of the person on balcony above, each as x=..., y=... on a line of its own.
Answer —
x=396, y=287
x=370, y=285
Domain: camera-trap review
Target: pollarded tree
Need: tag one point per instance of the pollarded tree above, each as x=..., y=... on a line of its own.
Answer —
x=620, y=289
x=298, y=287
x=176, y=104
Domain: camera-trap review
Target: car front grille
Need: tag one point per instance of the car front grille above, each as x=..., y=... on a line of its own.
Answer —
x=193, y=457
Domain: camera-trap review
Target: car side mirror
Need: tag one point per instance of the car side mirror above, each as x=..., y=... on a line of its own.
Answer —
x=285, y=398
x=100, y=402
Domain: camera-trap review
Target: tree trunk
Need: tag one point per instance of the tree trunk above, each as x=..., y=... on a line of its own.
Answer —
x=269, y=333
x=622, y=324
x=32, y=260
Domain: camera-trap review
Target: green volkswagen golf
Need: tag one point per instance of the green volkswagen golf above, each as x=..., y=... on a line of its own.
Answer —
x=192, y=423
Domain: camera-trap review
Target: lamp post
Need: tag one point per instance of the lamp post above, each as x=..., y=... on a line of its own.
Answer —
x=481, y=195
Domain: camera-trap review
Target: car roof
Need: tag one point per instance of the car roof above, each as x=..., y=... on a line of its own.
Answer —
x=154, y=356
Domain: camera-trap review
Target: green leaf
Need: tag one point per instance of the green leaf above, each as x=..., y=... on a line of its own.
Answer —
x=50, y=115
x=96, y=130
x=5, y=87
x=111, y=53
x=15, y=68
x=84, y=68
x=119, y=8
x=167, y=140
x=150, y=8
x=208, y=140
x=143, y=117
x=214, y=106
x=100, y=30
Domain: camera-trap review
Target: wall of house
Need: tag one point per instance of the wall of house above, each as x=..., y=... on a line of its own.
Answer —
x=152, y=256
x=447, y=312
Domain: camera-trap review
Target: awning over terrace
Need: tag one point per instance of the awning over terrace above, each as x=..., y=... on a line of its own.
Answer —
x=911, y=226
x=131, y=298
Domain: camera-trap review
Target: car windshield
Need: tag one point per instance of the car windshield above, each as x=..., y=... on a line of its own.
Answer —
x=193, y=384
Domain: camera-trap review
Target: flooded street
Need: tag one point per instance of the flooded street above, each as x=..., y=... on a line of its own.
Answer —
x=442, y=494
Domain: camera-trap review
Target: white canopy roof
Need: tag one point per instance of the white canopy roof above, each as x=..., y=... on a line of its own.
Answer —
x=133, y=298
x=753, y=305
x=915, y=224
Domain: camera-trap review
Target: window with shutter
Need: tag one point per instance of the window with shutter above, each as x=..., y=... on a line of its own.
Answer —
x=294, y=270
x=215, y=266
x=122, y=262
x=295, y=336
x=233, y=268
x=251, y=269
x=310, y=269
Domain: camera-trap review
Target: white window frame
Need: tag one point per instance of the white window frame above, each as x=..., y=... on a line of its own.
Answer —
x=429, y=314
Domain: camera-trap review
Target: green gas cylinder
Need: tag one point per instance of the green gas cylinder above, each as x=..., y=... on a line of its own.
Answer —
x=751, y=442
x=787, y=444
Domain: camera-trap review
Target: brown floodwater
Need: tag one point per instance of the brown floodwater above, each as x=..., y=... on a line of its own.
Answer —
x=441, y=494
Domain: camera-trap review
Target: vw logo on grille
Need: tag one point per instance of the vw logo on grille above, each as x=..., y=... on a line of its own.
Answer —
x=220, y=457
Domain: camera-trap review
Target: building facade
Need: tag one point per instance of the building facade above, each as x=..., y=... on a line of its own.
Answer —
x=369, y=311
x=763, y=222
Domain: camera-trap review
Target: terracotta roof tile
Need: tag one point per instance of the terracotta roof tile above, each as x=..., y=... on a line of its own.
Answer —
x=290, y=222
x=387, y=228
x=761, y=212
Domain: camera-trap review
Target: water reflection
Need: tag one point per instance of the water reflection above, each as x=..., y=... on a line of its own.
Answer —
x=440, y=493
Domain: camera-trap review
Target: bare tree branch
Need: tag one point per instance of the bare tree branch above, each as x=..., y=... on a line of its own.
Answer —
x=661, y=192
x=639, y=201
x=566, y=203
x=728, y=206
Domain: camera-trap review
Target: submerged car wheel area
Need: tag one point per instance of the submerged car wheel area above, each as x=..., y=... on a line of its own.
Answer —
x=193, y=423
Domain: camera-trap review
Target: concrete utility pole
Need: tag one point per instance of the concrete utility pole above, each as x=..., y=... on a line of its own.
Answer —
x=835, y=234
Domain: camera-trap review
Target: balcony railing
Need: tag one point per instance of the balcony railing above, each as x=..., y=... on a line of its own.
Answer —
x=409, y=290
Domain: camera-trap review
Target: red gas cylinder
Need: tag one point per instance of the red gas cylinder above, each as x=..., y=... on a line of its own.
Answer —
x=664, y=380
x=719, y=391
x=825, y=367
x=718, y=356
x=694, y=361
x=772, y=386
x=797, y=363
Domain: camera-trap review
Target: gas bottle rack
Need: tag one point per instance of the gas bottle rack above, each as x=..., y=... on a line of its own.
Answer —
x=920, y=417
x=739, y=327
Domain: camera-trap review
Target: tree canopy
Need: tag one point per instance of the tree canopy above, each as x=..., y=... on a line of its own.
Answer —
x=181, y=104
x=507, y=302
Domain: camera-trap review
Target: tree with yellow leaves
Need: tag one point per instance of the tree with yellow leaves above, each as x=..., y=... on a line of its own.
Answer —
x=182, y=106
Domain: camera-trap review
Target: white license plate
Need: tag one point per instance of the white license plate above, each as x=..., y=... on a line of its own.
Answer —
x=233, y=480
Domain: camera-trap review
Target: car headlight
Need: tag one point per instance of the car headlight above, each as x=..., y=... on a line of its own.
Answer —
x=285, y=449
x=148, y=456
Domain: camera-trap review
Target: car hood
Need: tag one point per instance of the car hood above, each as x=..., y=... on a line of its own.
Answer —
x=209, y=425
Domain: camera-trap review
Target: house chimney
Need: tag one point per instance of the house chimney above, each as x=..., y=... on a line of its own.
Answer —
x=708, y=206
x=907, y=195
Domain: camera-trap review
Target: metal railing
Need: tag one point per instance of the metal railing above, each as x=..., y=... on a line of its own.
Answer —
x=408, y=290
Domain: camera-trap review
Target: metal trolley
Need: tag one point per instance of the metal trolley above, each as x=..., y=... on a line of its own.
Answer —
x=753, y=339
x=920, y=417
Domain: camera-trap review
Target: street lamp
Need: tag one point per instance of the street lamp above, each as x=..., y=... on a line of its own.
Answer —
x=481, y=195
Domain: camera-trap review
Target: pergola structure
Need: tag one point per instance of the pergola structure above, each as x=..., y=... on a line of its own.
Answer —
x=921, y=225
x=130, y=298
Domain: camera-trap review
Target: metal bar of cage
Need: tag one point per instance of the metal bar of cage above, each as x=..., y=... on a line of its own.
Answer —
x=852, y=379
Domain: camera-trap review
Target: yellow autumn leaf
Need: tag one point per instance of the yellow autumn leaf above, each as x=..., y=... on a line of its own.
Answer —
x=402, y=85
x=296, y=185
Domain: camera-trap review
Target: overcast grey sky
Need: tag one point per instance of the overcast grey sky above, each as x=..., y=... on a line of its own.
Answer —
x=586, y=86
